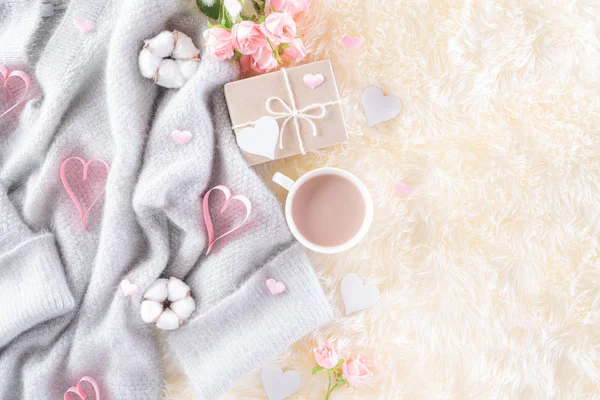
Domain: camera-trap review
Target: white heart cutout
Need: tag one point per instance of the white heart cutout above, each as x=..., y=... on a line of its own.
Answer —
x=279, y=384
x=260, y=139
x=356, y=295
x=379, y=108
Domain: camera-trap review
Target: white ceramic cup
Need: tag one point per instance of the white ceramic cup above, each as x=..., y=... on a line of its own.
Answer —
x=292, y=187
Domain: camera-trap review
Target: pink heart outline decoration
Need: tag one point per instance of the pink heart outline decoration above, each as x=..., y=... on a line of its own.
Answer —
x=228, y=199
x=181, y=137
x=86, y=165
x=274, y=286
x=78, y=390
x=350, y=42
x=19, y=74
x=312, y=81
x=84, y=25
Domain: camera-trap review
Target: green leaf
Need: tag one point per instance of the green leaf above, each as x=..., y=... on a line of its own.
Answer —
x=213, y=11
x=236, y=56
x=226, y=20
x=340, y=362
x=316, y=369
x=261, y=19
x=342, y=382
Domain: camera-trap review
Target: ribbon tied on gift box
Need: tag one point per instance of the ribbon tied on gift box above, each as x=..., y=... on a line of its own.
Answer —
x=292, y=113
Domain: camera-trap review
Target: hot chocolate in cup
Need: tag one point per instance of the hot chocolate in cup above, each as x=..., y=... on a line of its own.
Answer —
x=329, y=210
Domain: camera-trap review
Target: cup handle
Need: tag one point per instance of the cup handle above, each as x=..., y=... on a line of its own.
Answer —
x=283, y=181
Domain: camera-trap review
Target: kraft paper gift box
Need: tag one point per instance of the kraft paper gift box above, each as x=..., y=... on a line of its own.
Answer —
x=278, y=115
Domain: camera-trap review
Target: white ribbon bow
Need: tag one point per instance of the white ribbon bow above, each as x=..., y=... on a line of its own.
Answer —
x=291, y=113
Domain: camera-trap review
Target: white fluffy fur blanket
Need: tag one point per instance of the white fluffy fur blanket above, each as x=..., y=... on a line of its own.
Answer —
x=489, y=270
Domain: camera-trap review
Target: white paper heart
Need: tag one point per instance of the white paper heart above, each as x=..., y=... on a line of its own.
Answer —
x=356, y=295
x=279, y=384
x=260, y=139
x=379, y=108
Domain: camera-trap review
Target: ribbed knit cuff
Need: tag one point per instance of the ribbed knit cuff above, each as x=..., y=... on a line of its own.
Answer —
x=250, y=327
x=33, y=287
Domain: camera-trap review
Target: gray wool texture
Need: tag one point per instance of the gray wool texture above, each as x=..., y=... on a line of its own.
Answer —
x=62, y=314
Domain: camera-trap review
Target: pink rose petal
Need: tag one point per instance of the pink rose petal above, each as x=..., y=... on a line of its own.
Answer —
x=403, y=188
x=350, y=42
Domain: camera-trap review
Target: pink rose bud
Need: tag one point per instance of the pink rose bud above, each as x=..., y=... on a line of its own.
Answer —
x=326, y=356
x=297, y=51
x=247, y=37
x=218, y=43
x=245, y=63
x=292, y=7
x=263, y=60
x=355, y=371
x=279, y=28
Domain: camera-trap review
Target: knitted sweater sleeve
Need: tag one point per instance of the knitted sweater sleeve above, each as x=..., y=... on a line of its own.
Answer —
x=33, y=287
x=238, y=325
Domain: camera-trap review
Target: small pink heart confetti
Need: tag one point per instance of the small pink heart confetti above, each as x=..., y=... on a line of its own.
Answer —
x=351, y=42
x=128, y=288
x=403, y=188
x=274, y=286
x=84, y=25
x=312, y=81
x=181, y=137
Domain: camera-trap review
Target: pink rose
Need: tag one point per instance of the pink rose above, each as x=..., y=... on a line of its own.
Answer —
x=263, y=60
x=218, y=43
x=355, y=371
x=326, y=356
x=297, y=51
x=290, y=6
x=247, y=37
x=279, y=28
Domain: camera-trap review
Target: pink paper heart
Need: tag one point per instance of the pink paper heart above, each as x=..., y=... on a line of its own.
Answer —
x=274, y=286
x=128, y=288
x=86, y=165
x=313, y=81
x=19, y=74
x=83, y=24
x=403, y=188
x=351, y=42
x=79, y=391
x=228, y=199
x=181, y=137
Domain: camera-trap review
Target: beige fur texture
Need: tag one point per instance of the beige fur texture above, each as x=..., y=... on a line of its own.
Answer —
x=489, y=271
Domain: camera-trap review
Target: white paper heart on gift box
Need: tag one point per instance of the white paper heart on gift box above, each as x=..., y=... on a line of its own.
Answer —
x=356, y=295
x=261, y=139
x=378, y=107
x=279, y=384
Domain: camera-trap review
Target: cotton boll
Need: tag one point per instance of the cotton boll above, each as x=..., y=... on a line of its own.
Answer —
x=162, y=44
x=168, y=321
x=187, y=68
x=150, y=310
x=177, y=289
x=184, y=48
x=233, y=7
x=169, y=74
x=184, y=307
x=148, y=63
x=157, y=291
